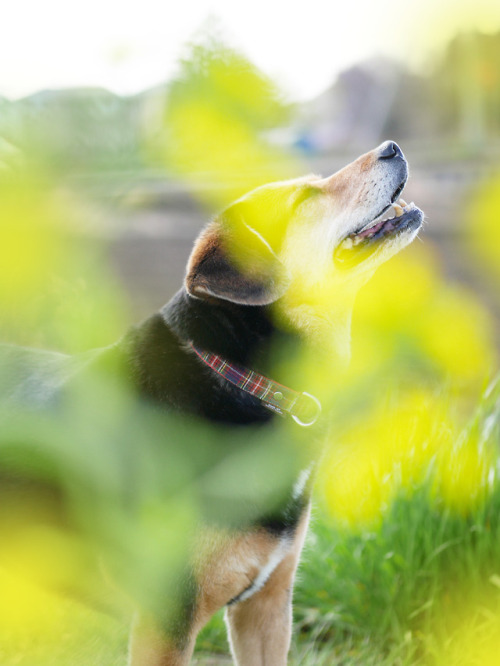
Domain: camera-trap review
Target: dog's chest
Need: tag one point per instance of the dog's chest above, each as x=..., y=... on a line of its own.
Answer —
x=265, y=569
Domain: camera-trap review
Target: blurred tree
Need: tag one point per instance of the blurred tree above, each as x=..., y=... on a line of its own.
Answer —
x=215, y=74
x=215, y=113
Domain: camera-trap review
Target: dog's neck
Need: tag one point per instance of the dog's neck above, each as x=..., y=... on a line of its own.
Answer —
x=242, y=333
x=260, y=339
x=239, y=333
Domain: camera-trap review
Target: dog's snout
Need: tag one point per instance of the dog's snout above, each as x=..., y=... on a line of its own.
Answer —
x=389, y=150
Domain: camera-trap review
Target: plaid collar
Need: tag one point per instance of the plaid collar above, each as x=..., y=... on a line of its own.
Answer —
x=303, y=407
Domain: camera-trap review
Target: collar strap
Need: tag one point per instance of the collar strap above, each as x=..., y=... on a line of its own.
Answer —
x=303, y=407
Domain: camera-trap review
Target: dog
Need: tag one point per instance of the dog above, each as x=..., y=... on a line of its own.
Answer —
x=276, y=272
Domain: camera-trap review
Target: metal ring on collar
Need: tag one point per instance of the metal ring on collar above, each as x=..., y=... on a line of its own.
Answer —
x=316, y=415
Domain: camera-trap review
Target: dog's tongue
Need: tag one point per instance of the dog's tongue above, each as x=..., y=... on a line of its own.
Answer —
x=397, y=210
x=372, y=230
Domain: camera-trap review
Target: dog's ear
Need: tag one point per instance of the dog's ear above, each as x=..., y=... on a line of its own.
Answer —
x=233, y=262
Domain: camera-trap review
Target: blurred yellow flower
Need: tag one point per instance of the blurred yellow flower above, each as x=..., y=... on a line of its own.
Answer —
x=408, y=318
x=389, y=448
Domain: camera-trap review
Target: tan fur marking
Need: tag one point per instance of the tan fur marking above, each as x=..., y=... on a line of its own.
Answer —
x=260, y=628
x=231, y=569
x=206, y=245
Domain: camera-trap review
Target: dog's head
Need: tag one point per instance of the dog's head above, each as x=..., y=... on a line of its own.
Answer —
x=307, y=244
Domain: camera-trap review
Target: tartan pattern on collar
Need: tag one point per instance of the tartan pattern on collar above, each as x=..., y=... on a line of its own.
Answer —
x=275, y=396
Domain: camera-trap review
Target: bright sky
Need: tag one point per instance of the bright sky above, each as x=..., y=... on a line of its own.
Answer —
x=130, y=46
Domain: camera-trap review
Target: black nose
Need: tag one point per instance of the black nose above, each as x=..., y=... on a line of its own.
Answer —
x=388, y=150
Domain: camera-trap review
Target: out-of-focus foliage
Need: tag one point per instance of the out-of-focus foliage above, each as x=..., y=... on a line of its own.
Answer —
x=400, y=447
x=54, y=286
x=410, y=321
x=423, y=352
x=216, y=76
x=102, y=477
x=116, y=493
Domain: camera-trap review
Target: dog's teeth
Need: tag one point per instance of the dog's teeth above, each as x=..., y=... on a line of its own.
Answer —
x=402, y=203
x=398, y=209
x=391, y=213
x=348, y=243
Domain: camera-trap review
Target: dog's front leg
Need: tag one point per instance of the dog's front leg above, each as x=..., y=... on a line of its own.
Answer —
x=260, y=627
x=149, y=646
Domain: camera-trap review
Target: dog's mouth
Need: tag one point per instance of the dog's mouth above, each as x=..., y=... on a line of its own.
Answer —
x=395, y=219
